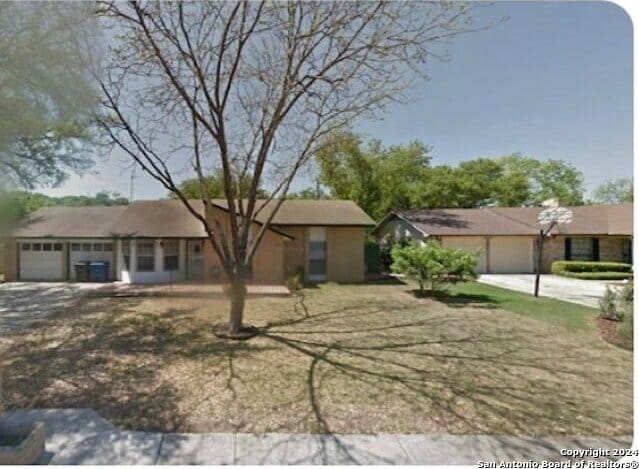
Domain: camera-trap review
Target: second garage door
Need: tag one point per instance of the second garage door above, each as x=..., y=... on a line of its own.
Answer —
x=511, y=255
x=473, y=244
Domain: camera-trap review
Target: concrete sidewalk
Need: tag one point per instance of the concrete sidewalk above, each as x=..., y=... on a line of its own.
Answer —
x=82, y=436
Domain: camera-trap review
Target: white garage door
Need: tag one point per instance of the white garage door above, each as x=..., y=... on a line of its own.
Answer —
x=41, y=261
x=473, y=244
x=511, y=255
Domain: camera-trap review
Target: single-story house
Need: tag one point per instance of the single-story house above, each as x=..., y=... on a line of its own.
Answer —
x=505, y=239
x=161, y=241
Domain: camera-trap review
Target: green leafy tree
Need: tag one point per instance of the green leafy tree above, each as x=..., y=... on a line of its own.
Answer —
x=558, y=179
x=547, y=179
x=213, y=187
x=349, y=171
x=379, y=179
x=615, y=191
x=308, y=193
x=48, y=97
x=432, y=265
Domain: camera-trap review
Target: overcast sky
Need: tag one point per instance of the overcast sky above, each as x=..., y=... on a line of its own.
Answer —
x=554, y=81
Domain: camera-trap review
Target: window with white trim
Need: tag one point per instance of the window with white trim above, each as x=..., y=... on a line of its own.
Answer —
x=145, y=256
x=171, y=255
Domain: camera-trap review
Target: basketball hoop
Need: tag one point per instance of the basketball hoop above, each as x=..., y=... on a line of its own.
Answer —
x=555, y=215
x=549, y=218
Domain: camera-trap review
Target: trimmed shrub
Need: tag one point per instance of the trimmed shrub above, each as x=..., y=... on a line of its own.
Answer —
x=432, y=265
x=560, y=267
x=598, y=275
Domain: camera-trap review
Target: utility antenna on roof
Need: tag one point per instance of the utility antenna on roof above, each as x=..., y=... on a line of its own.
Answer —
x=131, y=186
x=549, y=218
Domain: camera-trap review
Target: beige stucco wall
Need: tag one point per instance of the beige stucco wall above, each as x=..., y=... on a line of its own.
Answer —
x=10, y=261
x=345, y=254
x=268, y=261
x=295, y=249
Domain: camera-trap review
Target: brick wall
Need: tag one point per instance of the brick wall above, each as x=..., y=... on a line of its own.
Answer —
x=610, y=249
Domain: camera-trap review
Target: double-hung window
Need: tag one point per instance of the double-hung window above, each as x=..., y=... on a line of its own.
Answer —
x=582, y=249
x=145, y=256
x=171, y=255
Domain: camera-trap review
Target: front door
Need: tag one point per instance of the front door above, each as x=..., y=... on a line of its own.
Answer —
x=195, y=257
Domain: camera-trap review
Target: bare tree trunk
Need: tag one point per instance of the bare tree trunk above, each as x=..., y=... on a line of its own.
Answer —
x=238, y=297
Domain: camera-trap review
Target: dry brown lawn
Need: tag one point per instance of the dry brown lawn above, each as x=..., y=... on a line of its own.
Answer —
x=346, y=358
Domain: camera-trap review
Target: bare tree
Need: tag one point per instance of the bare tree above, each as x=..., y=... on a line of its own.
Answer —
x=253, y=88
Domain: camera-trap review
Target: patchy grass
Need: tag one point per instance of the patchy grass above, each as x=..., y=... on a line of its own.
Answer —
x=556, y=312
x=346, y=358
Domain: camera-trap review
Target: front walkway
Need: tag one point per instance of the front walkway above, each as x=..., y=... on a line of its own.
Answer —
x=184, y=289
x=585, y=292
x=82, y=436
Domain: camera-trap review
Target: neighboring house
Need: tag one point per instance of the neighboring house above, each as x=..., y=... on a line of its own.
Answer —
x=506, y=238
x=160, y=241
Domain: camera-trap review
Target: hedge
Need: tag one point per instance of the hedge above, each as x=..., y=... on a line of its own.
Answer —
x=597, y=275
x=561, y=267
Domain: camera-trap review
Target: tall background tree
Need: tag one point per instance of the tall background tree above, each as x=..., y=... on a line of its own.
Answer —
x=251, y=88
x=401, y=177
x=213, y=186
x=48, y=51
x=615, y=191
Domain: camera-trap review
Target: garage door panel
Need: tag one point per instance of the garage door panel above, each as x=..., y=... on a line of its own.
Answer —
x=511, y=255
x=473, y=244
x=39, y=264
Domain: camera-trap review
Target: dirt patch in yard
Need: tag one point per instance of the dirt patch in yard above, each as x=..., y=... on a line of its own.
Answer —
x=345, y=358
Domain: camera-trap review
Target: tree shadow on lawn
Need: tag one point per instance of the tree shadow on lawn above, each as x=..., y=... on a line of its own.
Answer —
x=111, y=362
x=452, y=371
x=482, y=381
x=457, y=300
x=464, y=380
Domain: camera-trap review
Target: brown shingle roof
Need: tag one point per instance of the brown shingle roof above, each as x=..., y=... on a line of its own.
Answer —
x=465, y=222
x=160, y=218
x=169, y=218
x=586, y=219
x=496, y=221
x=312, y=212
x=71, y=222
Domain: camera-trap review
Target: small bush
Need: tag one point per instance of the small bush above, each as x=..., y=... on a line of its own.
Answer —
x=598, y=275
x=295, y=281
x=610, y=307
x=560, y=267
x=432, y=265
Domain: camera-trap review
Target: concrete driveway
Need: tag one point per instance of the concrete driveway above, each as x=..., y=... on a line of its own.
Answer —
x=24, y=304
x=585, y=292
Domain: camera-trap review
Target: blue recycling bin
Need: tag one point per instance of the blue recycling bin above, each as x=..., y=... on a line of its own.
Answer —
x=99, y=271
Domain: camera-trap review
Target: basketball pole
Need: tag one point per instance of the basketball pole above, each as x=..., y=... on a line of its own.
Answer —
x=542, y=235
